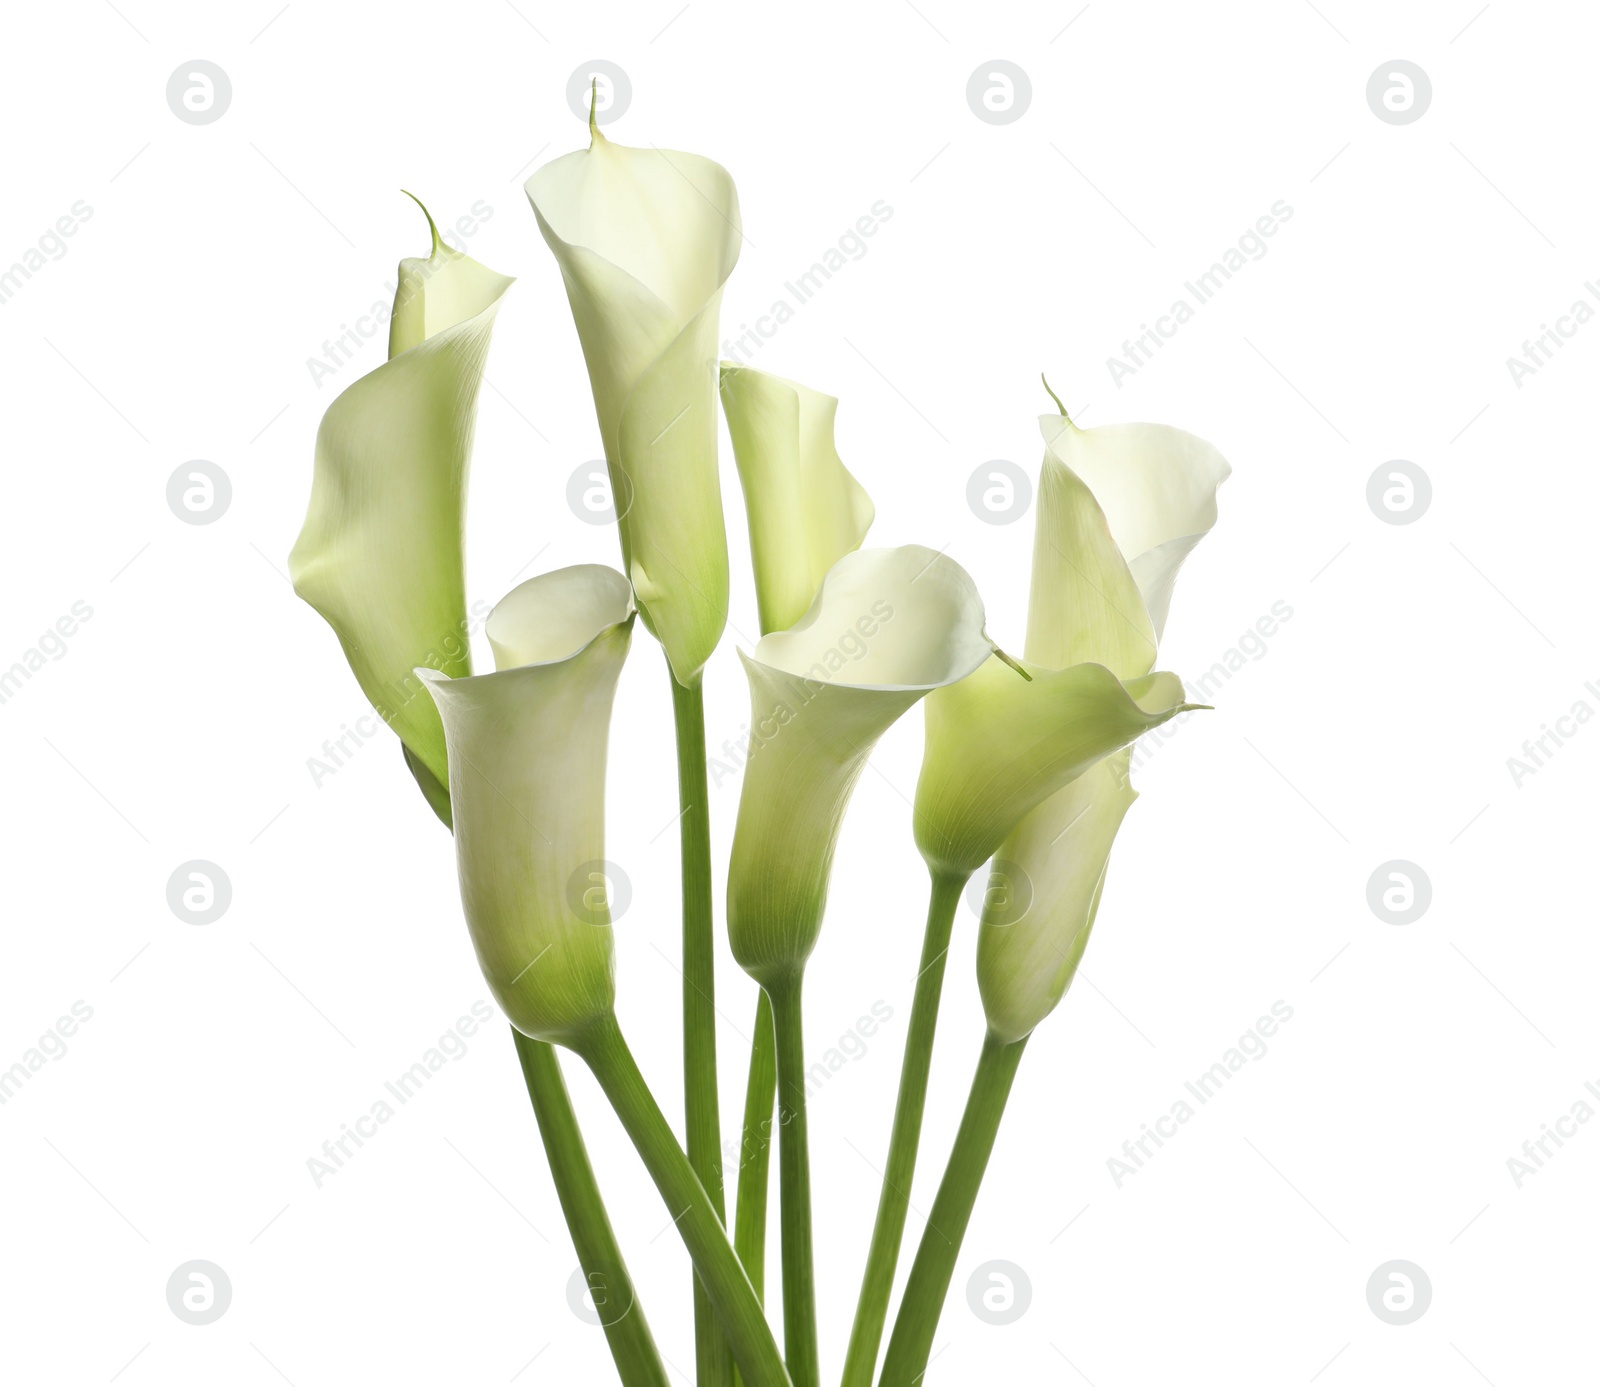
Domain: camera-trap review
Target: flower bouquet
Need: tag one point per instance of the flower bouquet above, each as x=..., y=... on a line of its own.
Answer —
x=1026, y=760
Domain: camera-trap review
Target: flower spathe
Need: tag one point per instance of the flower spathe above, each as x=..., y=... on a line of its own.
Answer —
x=380, y=554
x=1157, y=488
x=1152, y=490
x=998, y=745
x=805, y=509
x=527, y=749
x=886, y=628
x=645, y=239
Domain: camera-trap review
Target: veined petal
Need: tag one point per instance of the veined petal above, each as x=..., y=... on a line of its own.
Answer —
x=887, y=626
x=998, y=744
x=1059, y=855
x=1158, y=488
x=380, y=555
x=805, y=510
x=645, y=239
x=527, y=749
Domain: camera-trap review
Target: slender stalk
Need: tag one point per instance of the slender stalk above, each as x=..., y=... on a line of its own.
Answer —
x=909, y=1345
x=732, y=1298
x=627, y=1331
x=877, y=1281
x=755, y=1152
x=794, y=1188
x=703, y=1128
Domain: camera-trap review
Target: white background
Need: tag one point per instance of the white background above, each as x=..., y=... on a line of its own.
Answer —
x=1377, y=724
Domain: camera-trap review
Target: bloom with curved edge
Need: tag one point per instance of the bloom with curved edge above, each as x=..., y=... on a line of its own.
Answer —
x=380, y=555
x=1157, y=487
x=1097, y=602
x=1154, y=490
x=527, y=784
x=998, y=745
x=805, y=510
x=646, y=238
x=887, y=627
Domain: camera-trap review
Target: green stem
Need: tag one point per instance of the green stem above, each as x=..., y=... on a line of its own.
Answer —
x=877, y=1282
x=755, y=1152
x=794, y=1189
x=732, y=1298
x=627, y=1331
x=703, y=1128
x=909, y=1345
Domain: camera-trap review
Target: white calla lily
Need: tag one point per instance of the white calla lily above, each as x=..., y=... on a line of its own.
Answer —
x=1153, y=489
x=645, y=239
x=1052, y=868
x=380, y=555
x=888, y=626
x=1034, y=768
x=1157, y=487
x=1120, y=509
x=527, y=751
x=805, y=509
x=997, y=746
x=805, y=512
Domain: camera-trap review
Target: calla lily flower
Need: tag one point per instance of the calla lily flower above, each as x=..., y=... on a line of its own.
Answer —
x=887, y=627
x=380, y=555
x=645, y=239
x=527, y=754
x=1157, y=487
x=997, y=746
x=1004, y=755
x=527, y=749
x=805, y=510
x=1152, y=489
x=1119, y=510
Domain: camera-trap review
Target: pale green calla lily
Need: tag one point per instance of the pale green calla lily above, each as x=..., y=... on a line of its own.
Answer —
x=1157, y=487
x=997, y=746
x=805, y=510
x=380, y=555
x=645, y=239
x=1119, y=510
x=886, y=628
x=527, y=751
x=1153, y=488
x=1095, y=612
x=1052, y=868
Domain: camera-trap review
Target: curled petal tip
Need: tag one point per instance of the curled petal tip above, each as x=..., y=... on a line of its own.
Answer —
x=1052, y=394
x=433, y=229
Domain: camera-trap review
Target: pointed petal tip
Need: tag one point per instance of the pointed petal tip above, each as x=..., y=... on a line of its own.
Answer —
x=1052, y=394
x=433, y=229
